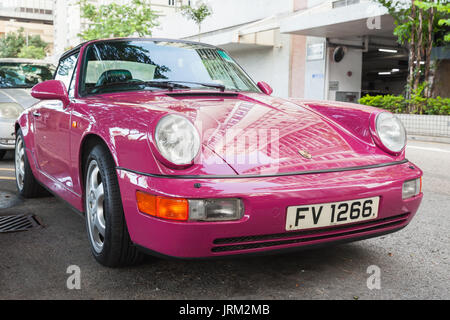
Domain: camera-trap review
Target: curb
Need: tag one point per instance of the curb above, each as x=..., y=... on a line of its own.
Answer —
x=429, y=139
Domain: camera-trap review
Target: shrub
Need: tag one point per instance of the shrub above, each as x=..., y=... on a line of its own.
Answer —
x=417, y=103
x=32, y=52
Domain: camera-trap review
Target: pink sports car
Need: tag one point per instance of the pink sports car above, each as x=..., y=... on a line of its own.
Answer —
x=170, y=148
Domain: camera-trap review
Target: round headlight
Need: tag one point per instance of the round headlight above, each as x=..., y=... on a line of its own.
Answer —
x=10, y=110
x=177, y=139
x=391, y=131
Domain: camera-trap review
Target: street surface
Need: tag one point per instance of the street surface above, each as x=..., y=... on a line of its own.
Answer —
x=413, y=263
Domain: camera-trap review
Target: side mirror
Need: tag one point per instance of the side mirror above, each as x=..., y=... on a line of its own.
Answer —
x=265, y=88
x=51, y=90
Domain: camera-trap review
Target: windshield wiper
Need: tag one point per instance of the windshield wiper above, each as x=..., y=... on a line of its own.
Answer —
x=221, y=87
x=155, y=84
x=169, y=84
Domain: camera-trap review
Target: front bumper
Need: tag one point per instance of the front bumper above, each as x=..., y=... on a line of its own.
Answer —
x=7, y=135
x=263, y=227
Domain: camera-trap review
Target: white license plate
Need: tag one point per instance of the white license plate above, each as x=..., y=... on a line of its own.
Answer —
x=331, y=214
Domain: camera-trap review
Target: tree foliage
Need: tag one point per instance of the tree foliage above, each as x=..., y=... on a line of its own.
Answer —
x=115, y=20
x=15, y=43
x=443, y=20
x=419, y=25
x=197, y=14
x=32, y=52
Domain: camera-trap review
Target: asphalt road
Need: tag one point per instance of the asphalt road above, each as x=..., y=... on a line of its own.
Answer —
x=414, y=263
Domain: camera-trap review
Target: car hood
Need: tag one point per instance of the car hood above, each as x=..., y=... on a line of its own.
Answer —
x=20, y=96
x=257, y=134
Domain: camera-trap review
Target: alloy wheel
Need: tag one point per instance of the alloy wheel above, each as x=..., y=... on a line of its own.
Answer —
x=95, y=214
x=20, y=162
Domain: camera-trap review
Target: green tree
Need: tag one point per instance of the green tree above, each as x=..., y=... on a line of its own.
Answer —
x=444, y=9
x=418, y=26
x=198, y=14
x=13, y=43
x=32, y=52
x=114, y=20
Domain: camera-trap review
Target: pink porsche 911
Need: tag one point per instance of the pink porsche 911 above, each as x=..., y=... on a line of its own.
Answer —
x=170, y=148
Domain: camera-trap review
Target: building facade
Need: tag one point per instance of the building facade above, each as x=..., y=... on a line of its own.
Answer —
x=35, y=17
x=314, y=49
x=350, y=49
x=68, y=23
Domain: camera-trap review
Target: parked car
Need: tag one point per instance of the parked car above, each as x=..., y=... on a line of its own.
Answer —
x=17, y=77
x=170, y=148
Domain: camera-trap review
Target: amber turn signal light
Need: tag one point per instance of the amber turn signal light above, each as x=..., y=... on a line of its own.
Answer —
x=163, y=207
x=421, y=184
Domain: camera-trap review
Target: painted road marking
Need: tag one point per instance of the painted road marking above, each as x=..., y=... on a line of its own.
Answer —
x=7, y=169
x=9, y=96
x=7, y=178
x=429, y=149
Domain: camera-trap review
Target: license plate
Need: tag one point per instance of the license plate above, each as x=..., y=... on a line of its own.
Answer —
x=331, y=214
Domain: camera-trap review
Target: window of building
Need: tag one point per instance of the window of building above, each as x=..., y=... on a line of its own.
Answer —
x=344, y=3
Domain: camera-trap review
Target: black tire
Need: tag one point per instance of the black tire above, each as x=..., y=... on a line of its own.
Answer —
x=117, y=249
x=2, y=154
x=30, y=187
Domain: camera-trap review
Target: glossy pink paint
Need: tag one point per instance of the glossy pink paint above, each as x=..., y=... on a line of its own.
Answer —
x=265, y=88
x=265, y=201
x=51, y=89
x=337, y=135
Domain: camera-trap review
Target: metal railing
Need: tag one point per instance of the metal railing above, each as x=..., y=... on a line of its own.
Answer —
x=426, y=125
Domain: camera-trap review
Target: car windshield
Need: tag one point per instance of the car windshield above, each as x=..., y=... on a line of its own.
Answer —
x=23, y=75
x=154, y=65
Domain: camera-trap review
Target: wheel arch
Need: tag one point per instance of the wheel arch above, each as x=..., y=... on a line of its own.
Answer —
x=89, y=141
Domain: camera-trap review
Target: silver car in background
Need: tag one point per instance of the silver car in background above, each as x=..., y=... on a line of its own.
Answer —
x=17, y=77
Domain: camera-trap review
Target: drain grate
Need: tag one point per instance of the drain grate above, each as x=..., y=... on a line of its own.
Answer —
x=18, y=223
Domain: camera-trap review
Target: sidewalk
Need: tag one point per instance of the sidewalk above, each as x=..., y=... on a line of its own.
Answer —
x=428, y=138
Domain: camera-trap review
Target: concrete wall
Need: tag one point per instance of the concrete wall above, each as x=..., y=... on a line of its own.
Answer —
x=263, y=63
x=177, y=26
x=315, y=70
x=37, y=10
x=268, y=64
x=339, y=72
x=67, y=25
x=315, y=74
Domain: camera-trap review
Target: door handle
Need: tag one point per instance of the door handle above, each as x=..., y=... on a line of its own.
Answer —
x=36, y=114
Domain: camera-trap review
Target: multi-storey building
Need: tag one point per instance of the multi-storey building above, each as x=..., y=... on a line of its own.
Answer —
x=314, y=49
x=292, y=44
x=318, y=49
x=35, y=17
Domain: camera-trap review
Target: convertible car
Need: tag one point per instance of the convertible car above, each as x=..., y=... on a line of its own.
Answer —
x=170, y=148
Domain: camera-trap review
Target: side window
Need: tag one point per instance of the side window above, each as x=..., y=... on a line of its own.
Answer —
x=65, y=72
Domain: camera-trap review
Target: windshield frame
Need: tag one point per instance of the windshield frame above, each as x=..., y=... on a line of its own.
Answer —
x=18, y=64
x=84, y=63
